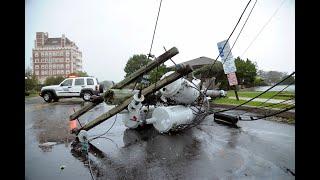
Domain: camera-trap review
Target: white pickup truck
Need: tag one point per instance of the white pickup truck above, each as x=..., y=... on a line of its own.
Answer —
x=83, y=87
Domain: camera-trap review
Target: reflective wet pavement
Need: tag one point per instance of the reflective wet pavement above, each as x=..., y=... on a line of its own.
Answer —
x=258, y=150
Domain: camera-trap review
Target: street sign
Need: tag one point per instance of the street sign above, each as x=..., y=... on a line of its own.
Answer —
x=232, y=78
x=227, y=60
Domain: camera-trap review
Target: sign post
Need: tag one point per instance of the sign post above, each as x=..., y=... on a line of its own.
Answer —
x=229, y=66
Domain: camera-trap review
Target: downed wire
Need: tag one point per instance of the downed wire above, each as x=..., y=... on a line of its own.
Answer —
x=90, y=166
x=271, y=105
x=270, y=98
x=107, y=130
x=257, y=95
x=269, y=115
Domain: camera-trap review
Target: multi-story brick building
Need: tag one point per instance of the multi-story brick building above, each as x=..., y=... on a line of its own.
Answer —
x=54, y=56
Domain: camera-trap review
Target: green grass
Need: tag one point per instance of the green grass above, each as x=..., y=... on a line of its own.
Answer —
x=250, y=94
x=252, y=103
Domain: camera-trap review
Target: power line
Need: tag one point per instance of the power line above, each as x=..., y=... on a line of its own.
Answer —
x=115, y=119
x=154, y=31
x=263, y=27
x=269, y=98
x=257, y=95
x=273, y=114
x=228, y=40
x=241, y=30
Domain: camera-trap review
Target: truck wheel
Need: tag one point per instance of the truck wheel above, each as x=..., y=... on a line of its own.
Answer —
x=86, y=96
x=101, y=87
x=55, y=99
x=47, y=97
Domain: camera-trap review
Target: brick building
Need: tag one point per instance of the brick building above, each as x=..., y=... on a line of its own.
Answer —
x=54, y=56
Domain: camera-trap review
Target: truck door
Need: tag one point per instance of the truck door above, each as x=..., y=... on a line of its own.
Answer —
x=90, y=83
x=78, y=85
x=65, y=88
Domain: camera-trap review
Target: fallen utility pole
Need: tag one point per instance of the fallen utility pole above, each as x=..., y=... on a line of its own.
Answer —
x=151, y=65
x=134, y=76
x=150, y=89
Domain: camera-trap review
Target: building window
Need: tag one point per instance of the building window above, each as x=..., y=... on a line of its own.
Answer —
x=46, y=53
x=42, y=54
x=67, y=59
x=36, y=54
x=67, y=53
x=36, y=72
x=53, y=72
x=79, y=82
x=42, y=66
x=67, y=66
x=53, y=66
x=50, y=66
x=67, y=72
x=90, y=81
x=61, y=66
x=36, y=66
x=62, y=71
x=46, y=60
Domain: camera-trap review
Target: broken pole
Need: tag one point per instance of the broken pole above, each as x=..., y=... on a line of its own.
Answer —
x=145, y=69
x=153, y=64
x=150, y=89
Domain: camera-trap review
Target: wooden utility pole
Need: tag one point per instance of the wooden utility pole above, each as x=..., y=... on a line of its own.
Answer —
x=150, y=89
x=134, y=76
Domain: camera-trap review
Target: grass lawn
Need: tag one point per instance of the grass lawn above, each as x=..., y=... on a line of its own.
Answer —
x=252, y=103
x=250, y=94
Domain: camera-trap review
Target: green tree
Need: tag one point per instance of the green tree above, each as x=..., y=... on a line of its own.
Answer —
x=31, y=81
x=290, y=80
x=53, y=80
x=136, y=62
x=258, y=81
x=216, y=71
x=139, y=60
x=79, y=74
x=246, y=72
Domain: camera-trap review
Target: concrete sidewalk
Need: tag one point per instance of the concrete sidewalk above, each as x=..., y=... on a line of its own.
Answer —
x=263, y=100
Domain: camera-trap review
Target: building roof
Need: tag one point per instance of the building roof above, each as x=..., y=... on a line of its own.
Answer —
x=200, y=61
x=56, y=41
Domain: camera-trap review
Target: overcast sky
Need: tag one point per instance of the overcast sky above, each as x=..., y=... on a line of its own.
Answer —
x=109, y=32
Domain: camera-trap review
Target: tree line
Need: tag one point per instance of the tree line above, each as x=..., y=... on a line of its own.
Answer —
x=33, y=85
x=247, y=73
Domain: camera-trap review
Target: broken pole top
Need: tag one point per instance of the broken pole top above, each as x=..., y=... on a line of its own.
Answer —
x=145, y=69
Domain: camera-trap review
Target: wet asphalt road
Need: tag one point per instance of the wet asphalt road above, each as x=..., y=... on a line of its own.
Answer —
x=258, y=150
